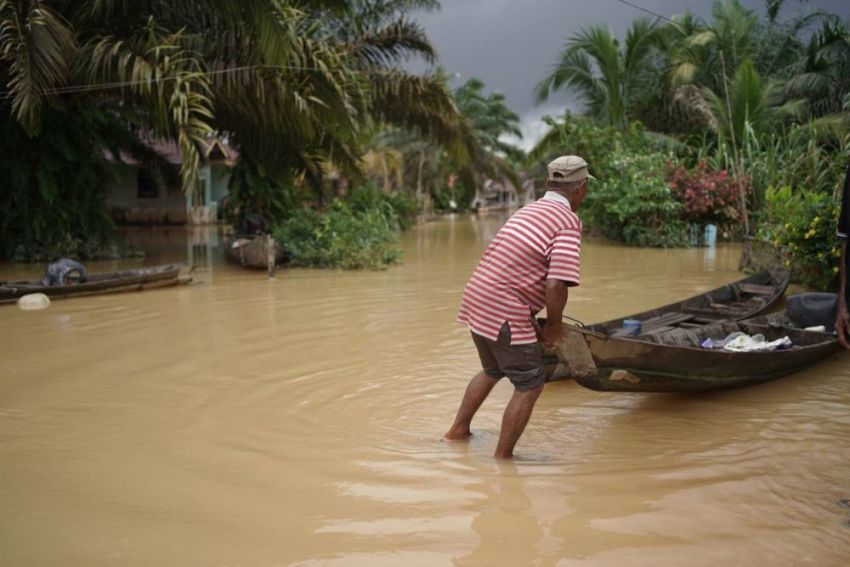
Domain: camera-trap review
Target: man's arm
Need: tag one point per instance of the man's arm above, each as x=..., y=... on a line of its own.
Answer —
x=564, y=272
x=557, y=293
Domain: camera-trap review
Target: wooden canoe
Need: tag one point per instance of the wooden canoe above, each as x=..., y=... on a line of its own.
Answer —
x=109, y=282
x=732, y=302
x=252, y=251
x=736, y=301
x=674, y=362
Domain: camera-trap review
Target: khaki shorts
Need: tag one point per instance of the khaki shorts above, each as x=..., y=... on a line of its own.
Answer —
x=522, y=364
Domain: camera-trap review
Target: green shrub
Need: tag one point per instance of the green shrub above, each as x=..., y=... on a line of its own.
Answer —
x=401, y=207
x=584, y=136
x=803, y=224
x=341, y=237
x=633, y=203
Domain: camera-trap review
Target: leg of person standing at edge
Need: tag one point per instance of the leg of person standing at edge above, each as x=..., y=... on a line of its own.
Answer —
x=477, y=391
x=516, y=417
x=842, y=322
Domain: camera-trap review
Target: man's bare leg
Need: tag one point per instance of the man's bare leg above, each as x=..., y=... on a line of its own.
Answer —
x=515, y=419
x=477, y=391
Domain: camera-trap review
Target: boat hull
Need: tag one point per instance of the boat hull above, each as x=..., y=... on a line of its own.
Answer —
x=252, y=251
x=631, y=365
x=112, y=282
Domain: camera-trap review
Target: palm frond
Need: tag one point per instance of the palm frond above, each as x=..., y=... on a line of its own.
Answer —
x=36, y=44
x=393, y=44
x=168, y=80
x=699, y=102
x=425, y=105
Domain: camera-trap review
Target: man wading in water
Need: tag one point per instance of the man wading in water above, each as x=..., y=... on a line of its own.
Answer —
x=529, y=264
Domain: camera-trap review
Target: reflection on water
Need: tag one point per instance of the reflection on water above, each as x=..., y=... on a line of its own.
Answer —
x=248, y=421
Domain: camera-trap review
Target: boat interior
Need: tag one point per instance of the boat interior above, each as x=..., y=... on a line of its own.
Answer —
x=774, y=326
x=730, y=302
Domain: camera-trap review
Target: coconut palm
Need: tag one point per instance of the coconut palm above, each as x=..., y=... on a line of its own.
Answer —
x=604, y=74
x=822, y=75
x=491, y=122
x=380, y=37
x=711, y=56
x=702, y=55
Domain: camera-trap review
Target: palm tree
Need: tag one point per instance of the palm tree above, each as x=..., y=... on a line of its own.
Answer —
x=380, y=37
x=730, y=39
x=491, y=121
x=289, y=82
x=254, y=68
x=707, y=58
x=603, y=74
x=822, y=74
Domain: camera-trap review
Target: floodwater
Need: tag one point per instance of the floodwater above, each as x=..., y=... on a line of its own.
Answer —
x=242, y=421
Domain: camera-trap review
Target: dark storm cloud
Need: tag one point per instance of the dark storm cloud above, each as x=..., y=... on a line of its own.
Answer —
x=511, y=44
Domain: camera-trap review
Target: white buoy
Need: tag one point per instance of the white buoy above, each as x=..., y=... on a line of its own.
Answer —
x=33, y=301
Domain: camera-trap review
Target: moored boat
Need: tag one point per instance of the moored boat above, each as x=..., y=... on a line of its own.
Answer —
x=674, y=361
x=109, y=282
x=252, y=251
x=615, y=340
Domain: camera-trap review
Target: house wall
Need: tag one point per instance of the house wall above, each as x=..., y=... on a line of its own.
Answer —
x=215, y=178
x=220, y=178
x=169, y=207
x=128, y=208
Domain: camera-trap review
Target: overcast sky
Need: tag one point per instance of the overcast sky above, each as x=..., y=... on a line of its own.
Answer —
x=511, y=44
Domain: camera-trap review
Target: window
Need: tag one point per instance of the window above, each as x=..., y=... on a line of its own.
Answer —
x=147, y=186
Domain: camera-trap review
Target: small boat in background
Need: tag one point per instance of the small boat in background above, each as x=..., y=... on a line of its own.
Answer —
x=109, y=282
x=252, y=251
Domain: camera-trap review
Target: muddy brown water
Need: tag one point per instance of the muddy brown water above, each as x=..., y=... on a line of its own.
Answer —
x=247, y=422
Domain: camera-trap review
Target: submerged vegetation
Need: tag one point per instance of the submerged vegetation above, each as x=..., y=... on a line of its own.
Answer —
x=741, y=120
x=361, y=232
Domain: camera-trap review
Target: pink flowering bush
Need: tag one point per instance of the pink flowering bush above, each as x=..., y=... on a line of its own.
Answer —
x=707, y=196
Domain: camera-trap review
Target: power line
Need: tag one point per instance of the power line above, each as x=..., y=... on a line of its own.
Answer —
x=650, y=12
x=71, y=89
x=120, y=84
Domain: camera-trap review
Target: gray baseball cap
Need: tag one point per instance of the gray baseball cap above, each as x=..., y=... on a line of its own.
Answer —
x=568, y=168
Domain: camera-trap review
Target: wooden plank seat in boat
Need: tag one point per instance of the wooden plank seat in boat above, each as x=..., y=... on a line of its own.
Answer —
x=668, y=319
x=756, y=289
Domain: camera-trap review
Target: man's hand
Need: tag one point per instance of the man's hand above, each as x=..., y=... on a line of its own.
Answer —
x=556, y=299
x=552, y=333
x=842, y=324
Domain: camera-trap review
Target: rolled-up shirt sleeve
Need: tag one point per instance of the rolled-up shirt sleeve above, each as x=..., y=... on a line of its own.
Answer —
x=842, y=218
x=564, y=261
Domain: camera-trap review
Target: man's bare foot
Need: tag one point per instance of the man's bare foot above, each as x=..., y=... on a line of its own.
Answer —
x=501, y=457
x=457, y=436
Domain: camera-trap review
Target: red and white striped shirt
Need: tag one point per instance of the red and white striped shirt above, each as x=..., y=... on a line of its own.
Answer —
x=540, y=241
